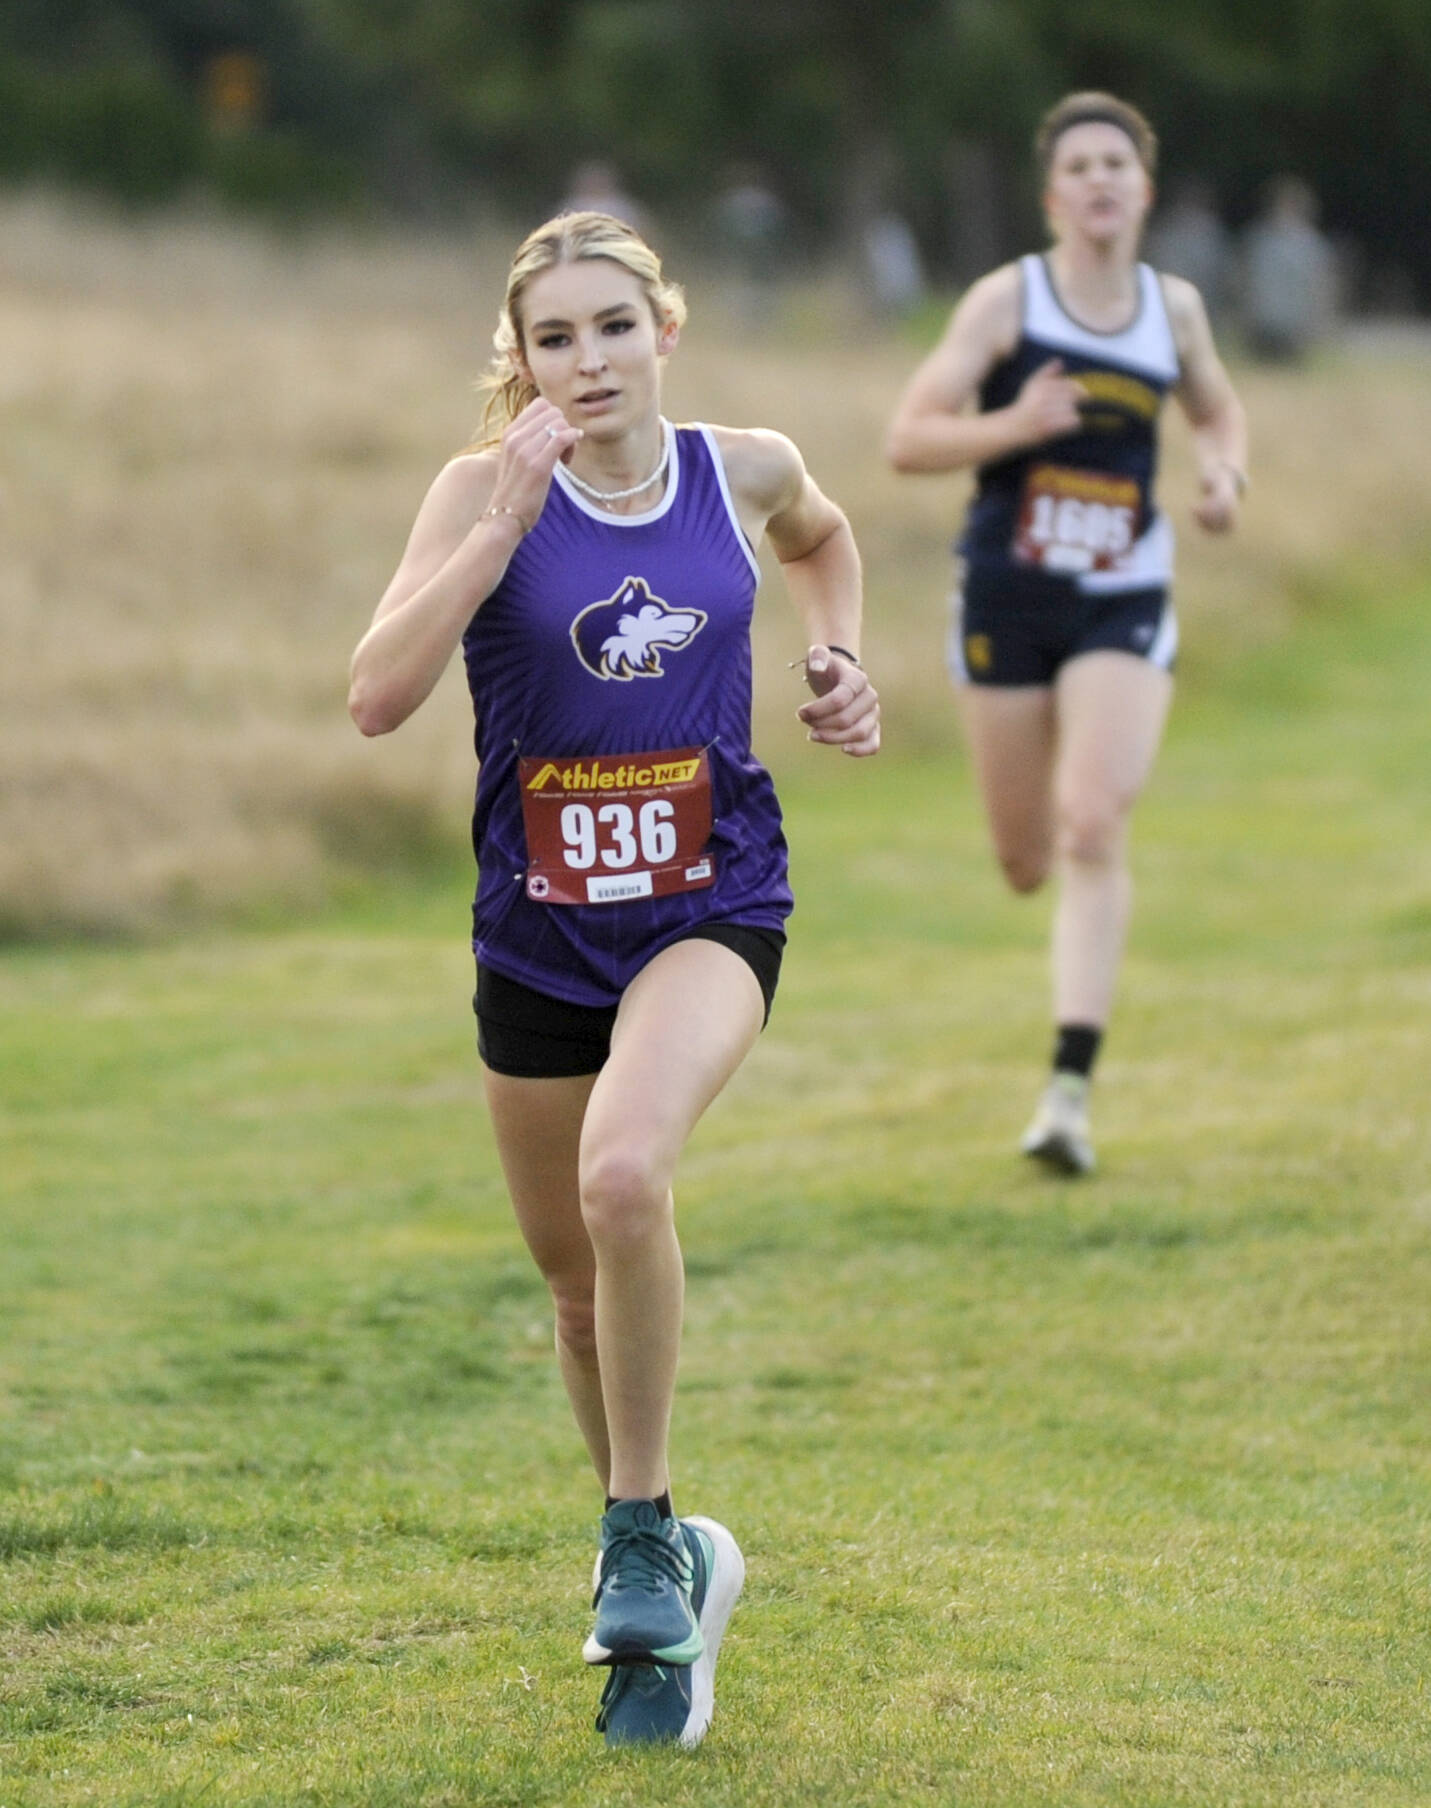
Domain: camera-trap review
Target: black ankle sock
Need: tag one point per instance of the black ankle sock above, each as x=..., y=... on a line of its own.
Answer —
x=661, y=1502
x=1076, y=1049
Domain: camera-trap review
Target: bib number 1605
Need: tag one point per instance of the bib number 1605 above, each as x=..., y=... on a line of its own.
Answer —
x=1073, y=521
x=1078, y=531
x=616, y=836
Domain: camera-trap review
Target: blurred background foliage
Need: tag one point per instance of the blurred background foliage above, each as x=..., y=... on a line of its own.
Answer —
x=436, y=109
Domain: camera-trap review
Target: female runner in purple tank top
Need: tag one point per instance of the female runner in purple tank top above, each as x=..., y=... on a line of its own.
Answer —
x=1049, y=382
x=596, y=565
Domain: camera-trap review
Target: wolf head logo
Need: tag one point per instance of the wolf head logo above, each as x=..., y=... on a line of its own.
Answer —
x=622, y=637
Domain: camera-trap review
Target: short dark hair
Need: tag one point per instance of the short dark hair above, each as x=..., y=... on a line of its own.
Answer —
x=1094, y=108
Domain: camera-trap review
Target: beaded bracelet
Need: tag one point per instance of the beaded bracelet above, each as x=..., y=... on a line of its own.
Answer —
x=500, y=508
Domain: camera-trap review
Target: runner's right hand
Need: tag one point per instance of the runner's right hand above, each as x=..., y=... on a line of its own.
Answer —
x=531, y=446
x=1047, y=405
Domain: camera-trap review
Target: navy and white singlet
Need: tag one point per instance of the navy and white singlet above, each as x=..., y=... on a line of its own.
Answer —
x=1065, y=533
x=614, y=635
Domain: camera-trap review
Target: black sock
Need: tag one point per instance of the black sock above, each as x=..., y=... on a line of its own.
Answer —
x=1076, y=1049
x=661, y=1502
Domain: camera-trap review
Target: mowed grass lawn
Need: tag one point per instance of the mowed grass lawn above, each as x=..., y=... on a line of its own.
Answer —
x=1113, y=1492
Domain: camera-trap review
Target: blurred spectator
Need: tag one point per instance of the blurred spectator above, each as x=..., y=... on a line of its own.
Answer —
x=596, y=188
x=751, y=224
x=235, y=84
x=1188, y=239
x=1288, y=275
x=894, y=269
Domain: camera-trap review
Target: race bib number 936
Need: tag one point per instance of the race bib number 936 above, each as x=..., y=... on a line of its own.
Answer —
x=603, y=828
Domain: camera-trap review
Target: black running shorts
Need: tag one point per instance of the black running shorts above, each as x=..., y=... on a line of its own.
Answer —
x=530, y=1036
x=1010, y=627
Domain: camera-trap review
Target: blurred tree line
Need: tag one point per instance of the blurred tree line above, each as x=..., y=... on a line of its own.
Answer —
x=438, y=107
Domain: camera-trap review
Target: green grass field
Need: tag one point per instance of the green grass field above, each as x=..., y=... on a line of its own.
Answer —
x=1111, y=1493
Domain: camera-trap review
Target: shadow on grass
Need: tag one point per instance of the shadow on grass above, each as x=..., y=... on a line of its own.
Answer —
x=1062, y=1227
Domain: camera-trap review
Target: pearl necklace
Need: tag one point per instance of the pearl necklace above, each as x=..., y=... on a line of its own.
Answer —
x=606, y=496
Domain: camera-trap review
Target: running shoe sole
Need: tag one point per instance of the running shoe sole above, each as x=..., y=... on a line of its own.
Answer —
x=685, y=1653
x=727, y=1578
x=1062, y=1153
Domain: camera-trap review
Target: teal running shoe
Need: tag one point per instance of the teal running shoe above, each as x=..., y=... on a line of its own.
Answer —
x=649, y=1704
x=645, y=1704
x=643, y=1595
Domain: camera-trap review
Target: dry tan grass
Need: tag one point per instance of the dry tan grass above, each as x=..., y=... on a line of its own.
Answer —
x=212, y=446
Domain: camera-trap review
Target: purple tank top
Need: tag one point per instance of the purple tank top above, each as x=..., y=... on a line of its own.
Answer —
x=612, y=635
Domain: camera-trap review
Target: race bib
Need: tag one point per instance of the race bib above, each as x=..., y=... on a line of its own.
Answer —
x=1075, y=521
x=607, y=827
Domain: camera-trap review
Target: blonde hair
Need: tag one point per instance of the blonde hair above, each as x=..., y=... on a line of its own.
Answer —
x=569, y=238
x=1094, y=108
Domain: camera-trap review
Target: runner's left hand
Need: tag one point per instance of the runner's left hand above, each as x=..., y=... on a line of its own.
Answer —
x=1219, y=496
x=844, y=711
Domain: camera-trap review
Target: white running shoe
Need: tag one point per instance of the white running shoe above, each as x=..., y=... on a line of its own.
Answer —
x=1058, y=1135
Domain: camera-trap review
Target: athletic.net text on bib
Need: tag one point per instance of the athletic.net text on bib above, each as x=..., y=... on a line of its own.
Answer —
x=605, y=827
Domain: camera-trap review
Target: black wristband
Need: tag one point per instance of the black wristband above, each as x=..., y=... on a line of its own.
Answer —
x=844, y=653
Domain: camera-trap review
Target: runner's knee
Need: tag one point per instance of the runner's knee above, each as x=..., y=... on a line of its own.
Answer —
x=1025, y=853
x=575, y=1303
x=1023, y=868
x=1090, y=830
x=625, y=1194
